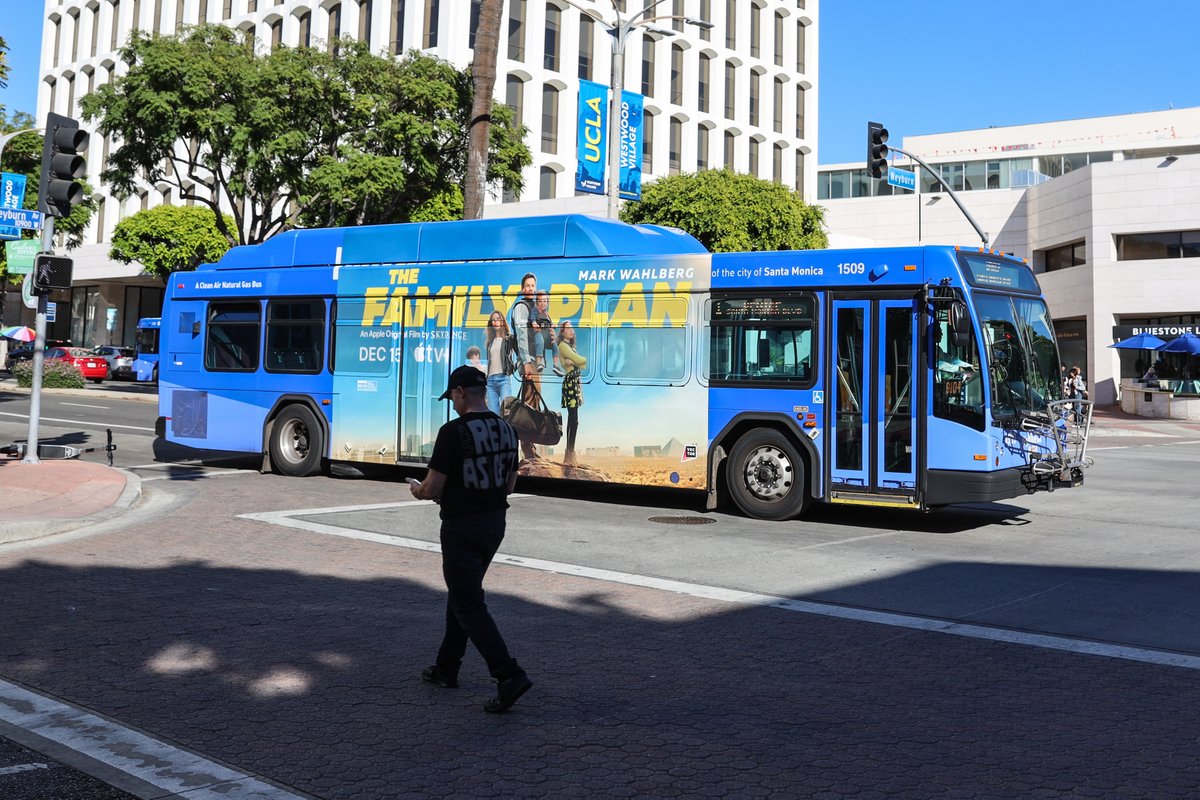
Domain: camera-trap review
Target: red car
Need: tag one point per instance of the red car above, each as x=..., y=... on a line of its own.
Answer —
x=93, y=367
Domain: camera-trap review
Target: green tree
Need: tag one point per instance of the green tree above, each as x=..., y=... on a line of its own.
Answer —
x=23, y=155
x=731, y=213
x=3, y=65
x=167, y=239
x=298, y=135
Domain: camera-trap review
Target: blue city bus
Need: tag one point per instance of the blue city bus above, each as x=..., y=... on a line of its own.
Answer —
x=905, y=377
x=146, y=346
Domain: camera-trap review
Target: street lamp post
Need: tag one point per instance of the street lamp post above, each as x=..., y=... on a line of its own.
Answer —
x=620, y=30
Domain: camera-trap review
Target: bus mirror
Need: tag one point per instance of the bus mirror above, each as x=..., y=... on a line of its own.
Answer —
x=960, y=324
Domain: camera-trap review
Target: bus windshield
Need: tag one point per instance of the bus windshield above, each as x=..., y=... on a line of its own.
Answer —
x=147, y=341
x=1022, y=354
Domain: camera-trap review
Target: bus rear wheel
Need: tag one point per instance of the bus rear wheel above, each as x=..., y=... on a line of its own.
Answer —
x=296, y=442
x=765, y=476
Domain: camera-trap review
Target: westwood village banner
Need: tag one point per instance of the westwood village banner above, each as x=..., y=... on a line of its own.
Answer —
x=631, y=146
x=593, y=122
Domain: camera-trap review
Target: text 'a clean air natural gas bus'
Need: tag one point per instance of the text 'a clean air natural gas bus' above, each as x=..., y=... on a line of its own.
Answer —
x=909, y=377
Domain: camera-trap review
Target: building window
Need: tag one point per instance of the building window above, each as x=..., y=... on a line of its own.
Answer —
x=95, y=40
x=587, y=53
x=674, y=155
x=731, y=24
x=549, y=119
x=396, y=28
x=647, y=66
x=755, y=30
x=799, y=112
x=115, y=23
x=547, y=179
x=779, y=40
x=276, y=34
x=516, y=30
x=800, y=172
x=754, y=99
x=202, y=17
x=364, y=21
x=676, y=74
x=801, y=30
x=730, y=141
x=473, y=23
x=730, y=93
x=705, y=78
x=553, y=28
x=702, y=135
x=753, y=156
x=157, y=16
x=777, y=163
x=677, y=13
x=706, y=15
x=74, y=36
x=1170, y=244
x=647, y=144
x=777, y=105
x=514, y=95
x=430, y=34
x=305, y=20
x=136, y=17
x=334, y=30
x=1067, y=255
x=178, y=15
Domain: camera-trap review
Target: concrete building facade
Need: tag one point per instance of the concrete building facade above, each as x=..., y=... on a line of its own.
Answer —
x=1107, y=210
x=740, y=94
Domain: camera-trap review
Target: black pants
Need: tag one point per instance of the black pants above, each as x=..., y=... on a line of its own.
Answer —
x=468, y=544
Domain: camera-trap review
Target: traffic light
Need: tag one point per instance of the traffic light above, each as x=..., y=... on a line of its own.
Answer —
x=51, y=272
x=877, y=137
x=62, y=166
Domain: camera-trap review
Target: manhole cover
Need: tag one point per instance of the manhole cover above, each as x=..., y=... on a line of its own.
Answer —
x=682, y=520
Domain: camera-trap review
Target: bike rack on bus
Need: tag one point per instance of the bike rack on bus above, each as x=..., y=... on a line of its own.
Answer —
x=1070, y=425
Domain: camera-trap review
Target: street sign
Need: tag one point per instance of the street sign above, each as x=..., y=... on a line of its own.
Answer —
x=20, y=255
x=27, y=296
x=902, y=178
x=51, y=311
x=21, y=218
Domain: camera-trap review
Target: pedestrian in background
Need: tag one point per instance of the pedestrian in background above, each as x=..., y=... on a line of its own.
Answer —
x=472, y=470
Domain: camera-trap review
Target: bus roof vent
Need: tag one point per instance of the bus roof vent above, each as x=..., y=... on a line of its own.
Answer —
x=566, y=236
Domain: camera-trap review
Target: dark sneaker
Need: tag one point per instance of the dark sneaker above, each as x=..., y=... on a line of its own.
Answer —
x=509, y=692
x=435, y=675
x=558, y=371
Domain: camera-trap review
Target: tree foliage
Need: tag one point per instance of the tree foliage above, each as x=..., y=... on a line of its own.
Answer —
x=167, y=239
x=23, y=155
x=3, y=65
x=295, y=136
x=731, y=213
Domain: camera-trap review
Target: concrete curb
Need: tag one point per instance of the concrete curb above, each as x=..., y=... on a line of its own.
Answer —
x=28, y=530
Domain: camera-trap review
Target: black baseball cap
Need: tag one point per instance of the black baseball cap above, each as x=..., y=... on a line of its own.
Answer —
x=466, y=377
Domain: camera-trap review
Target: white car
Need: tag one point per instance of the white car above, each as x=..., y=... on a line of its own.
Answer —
x=120, y=361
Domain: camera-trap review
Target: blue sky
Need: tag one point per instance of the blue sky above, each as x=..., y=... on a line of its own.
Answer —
x=925, y=66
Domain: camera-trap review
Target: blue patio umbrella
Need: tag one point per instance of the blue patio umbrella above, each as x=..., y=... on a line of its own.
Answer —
x=1143, y=341
x=1184, y=343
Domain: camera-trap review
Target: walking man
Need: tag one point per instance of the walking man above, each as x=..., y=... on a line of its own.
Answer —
x=472, y=471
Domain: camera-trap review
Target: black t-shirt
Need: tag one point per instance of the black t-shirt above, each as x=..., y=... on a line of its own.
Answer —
x=476, y=452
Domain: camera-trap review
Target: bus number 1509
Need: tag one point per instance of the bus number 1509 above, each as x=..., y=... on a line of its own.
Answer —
x=852, y=268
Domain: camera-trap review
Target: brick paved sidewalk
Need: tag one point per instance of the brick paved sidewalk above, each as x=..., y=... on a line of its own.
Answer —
x=296, y=656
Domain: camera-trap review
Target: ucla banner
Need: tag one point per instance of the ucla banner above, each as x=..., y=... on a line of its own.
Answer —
x=593, y=122
x=631, y=146
x=12, y=195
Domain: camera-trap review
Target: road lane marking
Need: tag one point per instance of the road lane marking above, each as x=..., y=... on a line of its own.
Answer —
x=79, y=422
x=138, y=757
x=1046, y=641
x=86, y=405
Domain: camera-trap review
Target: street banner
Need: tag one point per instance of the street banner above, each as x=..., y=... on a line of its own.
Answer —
x=631, y=146
x=592, y=125
x=12, y=195
x=20, y=255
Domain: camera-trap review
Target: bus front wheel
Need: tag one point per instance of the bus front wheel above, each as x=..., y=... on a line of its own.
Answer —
x=296, y=442
x=765, y=476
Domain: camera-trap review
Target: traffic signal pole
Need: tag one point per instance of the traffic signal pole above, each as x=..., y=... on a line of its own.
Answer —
x=937, y=177
x=39, y=358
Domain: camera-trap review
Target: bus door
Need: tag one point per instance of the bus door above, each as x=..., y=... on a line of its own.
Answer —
x=872, y=456
x=424, y=369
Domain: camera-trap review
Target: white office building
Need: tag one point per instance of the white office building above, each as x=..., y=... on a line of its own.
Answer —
x=1107, y=210
x=740, y=94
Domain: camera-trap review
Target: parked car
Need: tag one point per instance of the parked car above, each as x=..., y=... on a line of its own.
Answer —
x=93, y=367
x=120, y=361
x=25, y=352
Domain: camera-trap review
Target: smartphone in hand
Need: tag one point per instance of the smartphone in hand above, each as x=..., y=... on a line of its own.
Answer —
x=413, y=482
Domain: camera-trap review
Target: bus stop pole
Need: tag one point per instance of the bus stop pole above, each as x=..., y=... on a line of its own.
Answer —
x=39, y=357
x=937, y=177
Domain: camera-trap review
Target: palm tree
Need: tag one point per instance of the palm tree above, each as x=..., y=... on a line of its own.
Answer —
x=483, y=76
